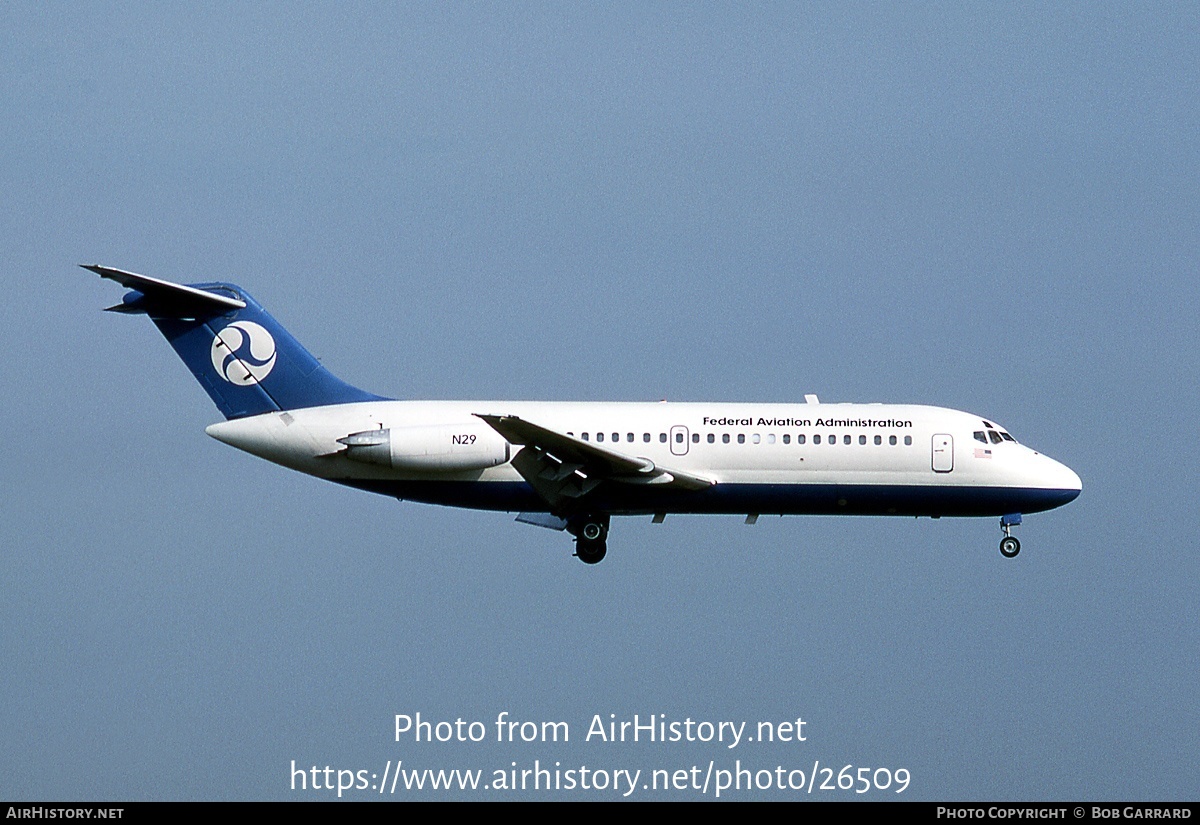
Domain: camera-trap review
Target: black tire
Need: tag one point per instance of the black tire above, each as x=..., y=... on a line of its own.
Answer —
x=592, y=531
x=590, y=552
x=1009, y=547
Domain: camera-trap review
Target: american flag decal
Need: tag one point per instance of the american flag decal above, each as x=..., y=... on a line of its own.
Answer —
x=982, y=453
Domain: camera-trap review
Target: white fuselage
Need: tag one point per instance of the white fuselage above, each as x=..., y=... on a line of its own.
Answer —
x=762, y=458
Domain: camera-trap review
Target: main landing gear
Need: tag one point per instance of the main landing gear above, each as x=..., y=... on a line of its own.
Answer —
x=1009, y=545
x=591, y=536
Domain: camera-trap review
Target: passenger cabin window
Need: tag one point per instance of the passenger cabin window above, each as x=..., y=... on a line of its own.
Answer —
x=725, y=438
x=878, y=439
x=801, y=438
x=756, y=438
x=599, y=436
x=741, y=438
x=695, y=438
x=711, y=438
x=678, y=438
x=646, y=437
x=891, y=439
x=584, y=436
x=629, y=437
x=662, y=438
x=787, y=439
x=816, y=439
x=908, y=440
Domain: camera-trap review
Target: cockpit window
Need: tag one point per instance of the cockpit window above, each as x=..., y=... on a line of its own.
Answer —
x=979, y=436
x=1008, y=437
x=995, y=436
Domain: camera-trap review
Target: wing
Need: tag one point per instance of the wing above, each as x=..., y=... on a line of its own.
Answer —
x=562, y=468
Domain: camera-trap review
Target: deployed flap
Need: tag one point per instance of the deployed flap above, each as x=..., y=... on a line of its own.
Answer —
x=543, y=520
x=562, y=468
x=164, y=298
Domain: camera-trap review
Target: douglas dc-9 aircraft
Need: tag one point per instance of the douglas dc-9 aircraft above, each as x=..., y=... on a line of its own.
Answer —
x=572, y=466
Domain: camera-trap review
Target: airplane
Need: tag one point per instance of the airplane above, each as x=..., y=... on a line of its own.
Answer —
x=573, y=466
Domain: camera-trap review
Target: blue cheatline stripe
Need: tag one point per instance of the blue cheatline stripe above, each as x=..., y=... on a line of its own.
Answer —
x=787, y=499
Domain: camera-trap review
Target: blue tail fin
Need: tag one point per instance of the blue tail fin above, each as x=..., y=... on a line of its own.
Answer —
x=246, y=361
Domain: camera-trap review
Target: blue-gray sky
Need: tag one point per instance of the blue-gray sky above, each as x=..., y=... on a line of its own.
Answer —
x=991, y=208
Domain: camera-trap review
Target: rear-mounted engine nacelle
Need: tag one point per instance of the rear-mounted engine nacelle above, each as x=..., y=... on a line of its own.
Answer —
x=474, y=446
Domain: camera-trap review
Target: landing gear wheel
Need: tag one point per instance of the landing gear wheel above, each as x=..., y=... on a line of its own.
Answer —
x=592, y=531
x=590, y=552
x=1009, y=546
x=591, y=536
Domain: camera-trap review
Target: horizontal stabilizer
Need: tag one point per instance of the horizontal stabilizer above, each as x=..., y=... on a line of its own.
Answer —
x=163, y=298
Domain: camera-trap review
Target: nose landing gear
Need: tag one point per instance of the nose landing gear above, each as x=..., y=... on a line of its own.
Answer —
x=1009, y=545
x=591, y=536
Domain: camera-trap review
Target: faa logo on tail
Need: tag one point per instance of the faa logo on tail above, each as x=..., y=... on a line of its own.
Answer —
x=243, y=353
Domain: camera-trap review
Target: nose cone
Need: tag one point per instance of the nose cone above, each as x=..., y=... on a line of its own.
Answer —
x=1061, y=483
x=1073, y=481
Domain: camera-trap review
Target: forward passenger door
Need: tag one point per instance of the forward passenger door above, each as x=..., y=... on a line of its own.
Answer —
x=943, y=453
